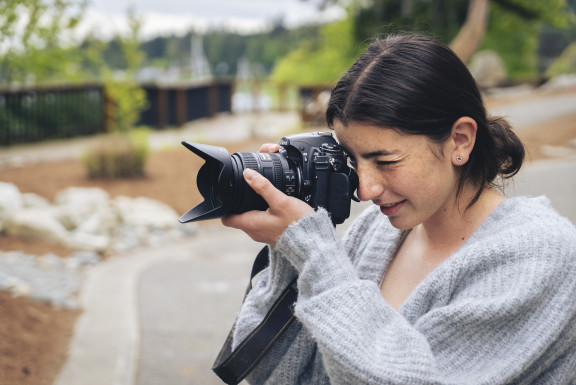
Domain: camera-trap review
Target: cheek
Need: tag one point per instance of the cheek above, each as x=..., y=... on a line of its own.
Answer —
x=427, y=180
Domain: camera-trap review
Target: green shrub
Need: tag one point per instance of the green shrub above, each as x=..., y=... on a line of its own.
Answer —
x=565, y=63
x=118, y=156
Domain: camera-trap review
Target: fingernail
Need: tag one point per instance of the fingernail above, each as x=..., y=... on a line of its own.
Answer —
x=250, y=174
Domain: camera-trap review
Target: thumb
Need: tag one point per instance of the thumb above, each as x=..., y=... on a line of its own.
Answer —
x=262, y=186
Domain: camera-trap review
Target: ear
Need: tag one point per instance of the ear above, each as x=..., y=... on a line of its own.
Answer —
x=463, y=139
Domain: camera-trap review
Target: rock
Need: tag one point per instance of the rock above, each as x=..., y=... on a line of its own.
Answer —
x=36, y=223
x=89, y=242
x=85, y=258
x=77, y=204
x=102, y=222
x=86, y=219
x=487, y=68
x=10, y=201
x=47, y=278
x=34, y=201
x=49, y=261
x=17, y=287
x=146, y=213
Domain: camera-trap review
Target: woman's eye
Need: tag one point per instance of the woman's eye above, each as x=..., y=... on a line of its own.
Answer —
x=386, y=162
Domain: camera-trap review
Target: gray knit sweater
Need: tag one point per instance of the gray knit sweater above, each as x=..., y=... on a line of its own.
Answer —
x=500, y=310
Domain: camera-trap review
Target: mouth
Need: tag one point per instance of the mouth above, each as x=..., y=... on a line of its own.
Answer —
x=390, y=209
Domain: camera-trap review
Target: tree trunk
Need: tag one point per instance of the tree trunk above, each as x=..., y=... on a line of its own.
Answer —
x=472, y=32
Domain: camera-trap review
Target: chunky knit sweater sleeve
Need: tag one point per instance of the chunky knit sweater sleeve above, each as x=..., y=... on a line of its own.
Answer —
x=502, y=309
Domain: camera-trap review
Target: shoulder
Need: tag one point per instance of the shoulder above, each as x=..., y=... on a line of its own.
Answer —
x=530, y=221
x=524, y=235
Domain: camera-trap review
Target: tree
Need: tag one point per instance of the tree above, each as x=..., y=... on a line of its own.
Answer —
x=38, y=40
x=535, y=12
x=463, y=22
x=319, y=62
x=122, y=154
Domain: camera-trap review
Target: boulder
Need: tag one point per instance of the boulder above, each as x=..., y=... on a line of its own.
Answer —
x=36, y=223
x=34, y=201
x=145, y=213
x=77, y=204
x=10, y=201
x=487, y=68
x=88, y=242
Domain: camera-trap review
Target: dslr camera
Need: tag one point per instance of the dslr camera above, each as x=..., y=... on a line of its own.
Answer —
x=309, y=166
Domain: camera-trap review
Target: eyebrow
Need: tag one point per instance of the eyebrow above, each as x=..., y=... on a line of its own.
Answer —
x=375, y=154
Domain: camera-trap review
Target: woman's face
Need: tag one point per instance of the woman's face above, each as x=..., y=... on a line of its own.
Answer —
x=400, y=173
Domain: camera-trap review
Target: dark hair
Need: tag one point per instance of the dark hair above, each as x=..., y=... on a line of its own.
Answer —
x=417, y=85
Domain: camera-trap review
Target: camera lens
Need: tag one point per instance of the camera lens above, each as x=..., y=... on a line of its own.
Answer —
x=273, y=166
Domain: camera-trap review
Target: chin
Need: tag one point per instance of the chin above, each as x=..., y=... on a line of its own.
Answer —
x=401, y=224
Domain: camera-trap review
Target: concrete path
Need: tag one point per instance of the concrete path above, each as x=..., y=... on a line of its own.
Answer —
x=159, y=316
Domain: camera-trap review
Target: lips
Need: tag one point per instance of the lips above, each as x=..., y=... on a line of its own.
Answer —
x=390, y=209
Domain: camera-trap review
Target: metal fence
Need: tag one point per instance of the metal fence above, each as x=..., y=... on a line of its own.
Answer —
x=33, y=114
x=40, y=113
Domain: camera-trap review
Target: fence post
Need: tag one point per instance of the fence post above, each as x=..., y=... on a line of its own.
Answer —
x=180, y=106
x=162, y=107
x=109, y=111
x=212, y=99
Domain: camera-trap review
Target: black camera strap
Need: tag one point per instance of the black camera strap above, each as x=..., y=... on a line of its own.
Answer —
x=232, y=366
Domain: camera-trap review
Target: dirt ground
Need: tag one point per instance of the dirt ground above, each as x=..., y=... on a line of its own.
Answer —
x=34, y=337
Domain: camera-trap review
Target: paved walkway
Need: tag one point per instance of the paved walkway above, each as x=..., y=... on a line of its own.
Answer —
x=159, y=316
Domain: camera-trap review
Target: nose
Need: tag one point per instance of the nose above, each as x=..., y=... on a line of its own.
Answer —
x=369, y=186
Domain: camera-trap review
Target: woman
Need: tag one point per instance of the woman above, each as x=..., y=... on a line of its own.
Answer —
x=444, y=280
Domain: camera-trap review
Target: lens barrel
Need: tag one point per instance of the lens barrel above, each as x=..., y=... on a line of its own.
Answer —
x=273, y=166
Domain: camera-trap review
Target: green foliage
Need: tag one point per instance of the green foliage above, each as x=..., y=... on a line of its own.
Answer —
x=122, y=154
x=38, y=41
x=224, y=48
x=565, y=64
x=515, y=40
x=320, y=62
x=441, y=18
x=118, y=156
x=125, y=98
x=513, y=27
x=516, y=31
x=553, y=12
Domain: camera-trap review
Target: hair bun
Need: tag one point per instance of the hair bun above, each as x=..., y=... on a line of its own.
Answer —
x=508, y=148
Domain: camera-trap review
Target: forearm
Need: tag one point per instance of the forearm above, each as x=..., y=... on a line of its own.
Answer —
x=294, y=342
x=358, y=334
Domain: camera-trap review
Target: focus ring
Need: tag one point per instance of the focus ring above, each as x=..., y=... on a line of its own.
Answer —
x=249, y=161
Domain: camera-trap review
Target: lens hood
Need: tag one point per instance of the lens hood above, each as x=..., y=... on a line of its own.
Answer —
x=214, y=182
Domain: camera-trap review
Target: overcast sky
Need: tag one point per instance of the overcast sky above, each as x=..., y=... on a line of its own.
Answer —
x=177, y=16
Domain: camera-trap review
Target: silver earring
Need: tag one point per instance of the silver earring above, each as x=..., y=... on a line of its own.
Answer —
x=458, y=159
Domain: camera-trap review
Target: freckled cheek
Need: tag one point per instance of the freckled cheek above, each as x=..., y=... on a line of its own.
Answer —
x=417, y=186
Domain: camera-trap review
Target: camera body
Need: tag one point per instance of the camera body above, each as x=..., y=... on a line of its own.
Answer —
x=309, y=166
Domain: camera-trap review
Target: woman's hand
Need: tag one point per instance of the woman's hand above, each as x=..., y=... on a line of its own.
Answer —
x=267, y=226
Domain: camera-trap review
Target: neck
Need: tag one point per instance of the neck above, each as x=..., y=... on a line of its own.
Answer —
x=449, y=229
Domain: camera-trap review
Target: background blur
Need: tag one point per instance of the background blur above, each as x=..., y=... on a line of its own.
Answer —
x=99, y=283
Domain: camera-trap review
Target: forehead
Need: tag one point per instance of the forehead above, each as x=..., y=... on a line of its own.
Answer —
x=365, y=137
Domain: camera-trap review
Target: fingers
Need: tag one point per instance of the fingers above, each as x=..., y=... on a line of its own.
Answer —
x=269, y=147
x=263, y=187
x=267, y=226
x=244, y=221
